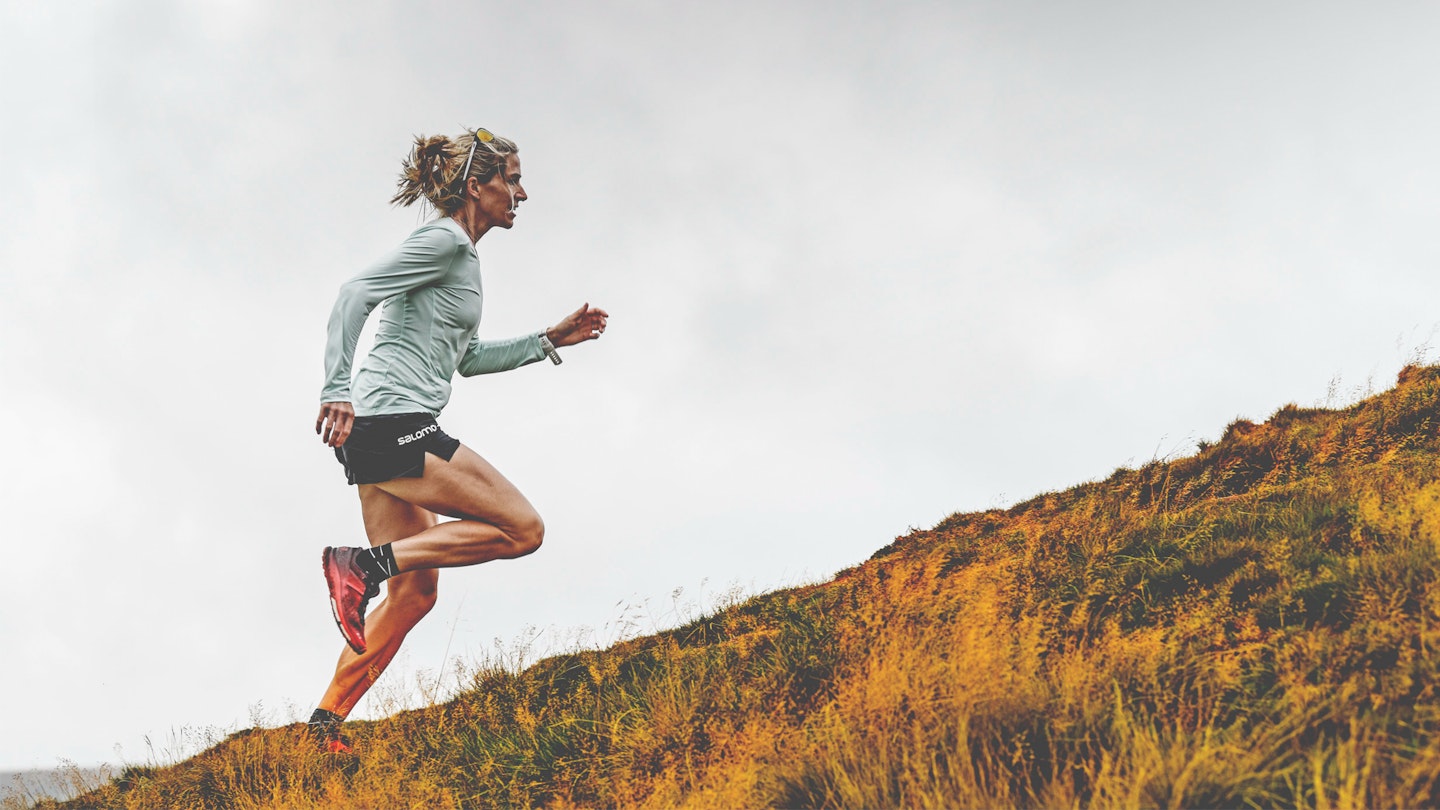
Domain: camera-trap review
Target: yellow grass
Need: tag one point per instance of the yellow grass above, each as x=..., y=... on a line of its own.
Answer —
x=1254, y=625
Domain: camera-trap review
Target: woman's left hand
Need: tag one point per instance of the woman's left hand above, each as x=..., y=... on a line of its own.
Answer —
x=585, y=323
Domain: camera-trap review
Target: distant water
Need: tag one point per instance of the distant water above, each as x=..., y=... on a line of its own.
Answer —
x=53, y=783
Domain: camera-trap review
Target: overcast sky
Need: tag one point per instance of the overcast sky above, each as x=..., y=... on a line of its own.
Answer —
x=868, y=264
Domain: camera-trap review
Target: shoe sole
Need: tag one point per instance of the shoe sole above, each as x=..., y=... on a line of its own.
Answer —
x=335, y=606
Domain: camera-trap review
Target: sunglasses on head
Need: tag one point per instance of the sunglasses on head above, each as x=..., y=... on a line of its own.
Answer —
x=482, y=135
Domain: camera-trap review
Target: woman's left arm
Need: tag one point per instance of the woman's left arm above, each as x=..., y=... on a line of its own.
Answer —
x=490, y=356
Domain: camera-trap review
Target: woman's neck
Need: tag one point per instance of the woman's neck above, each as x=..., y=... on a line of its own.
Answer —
x=469, y=222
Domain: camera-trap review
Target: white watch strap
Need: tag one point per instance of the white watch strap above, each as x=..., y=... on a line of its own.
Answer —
x=550, y=349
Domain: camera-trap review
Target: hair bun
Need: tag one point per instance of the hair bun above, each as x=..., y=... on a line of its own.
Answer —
x=426, y=171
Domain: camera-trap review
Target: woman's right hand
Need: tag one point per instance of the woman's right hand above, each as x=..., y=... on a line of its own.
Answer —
x=336, y=419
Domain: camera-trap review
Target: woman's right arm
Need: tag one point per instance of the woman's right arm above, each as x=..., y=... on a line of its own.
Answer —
x=420, y=260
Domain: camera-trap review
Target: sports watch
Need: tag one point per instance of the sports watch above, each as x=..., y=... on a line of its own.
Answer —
x=550, y=349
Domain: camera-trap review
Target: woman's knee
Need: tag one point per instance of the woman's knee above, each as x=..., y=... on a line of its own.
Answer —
x=414, y=592
x=527, y=535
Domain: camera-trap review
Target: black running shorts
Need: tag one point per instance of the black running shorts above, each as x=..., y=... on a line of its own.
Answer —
x=380, y=448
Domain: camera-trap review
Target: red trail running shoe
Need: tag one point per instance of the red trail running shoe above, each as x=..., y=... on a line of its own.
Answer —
x=350, y=592
x=329, y=738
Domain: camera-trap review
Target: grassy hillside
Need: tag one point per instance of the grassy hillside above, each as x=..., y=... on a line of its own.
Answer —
x=1256, y=624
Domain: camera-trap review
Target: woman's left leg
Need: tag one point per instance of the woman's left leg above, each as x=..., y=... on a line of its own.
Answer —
x=408, y=598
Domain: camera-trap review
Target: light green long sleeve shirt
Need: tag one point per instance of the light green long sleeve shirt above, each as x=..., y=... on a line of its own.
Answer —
x=431, y=289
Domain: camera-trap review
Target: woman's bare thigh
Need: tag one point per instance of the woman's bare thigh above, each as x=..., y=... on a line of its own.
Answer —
x=466, y=487
x=388, y=518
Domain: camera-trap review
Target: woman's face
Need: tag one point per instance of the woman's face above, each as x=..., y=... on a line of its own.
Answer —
x=497, y=199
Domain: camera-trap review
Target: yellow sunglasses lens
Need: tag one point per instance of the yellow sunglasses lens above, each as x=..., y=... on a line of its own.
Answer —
x=484, y=136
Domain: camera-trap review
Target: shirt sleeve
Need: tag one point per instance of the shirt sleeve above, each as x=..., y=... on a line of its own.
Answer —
x=490, y=356
x=421, y=259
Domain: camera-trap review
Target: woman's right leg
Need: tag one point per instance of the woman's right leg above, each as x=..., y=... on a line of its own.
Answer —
x=408, y=598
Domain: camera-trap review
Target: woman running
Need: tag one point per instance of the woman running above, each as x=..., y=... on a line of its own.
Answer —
x=407, y=470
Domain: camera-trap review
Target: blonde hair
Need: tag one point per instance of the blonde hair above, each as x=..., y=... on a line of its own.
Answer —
x=432, y=169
